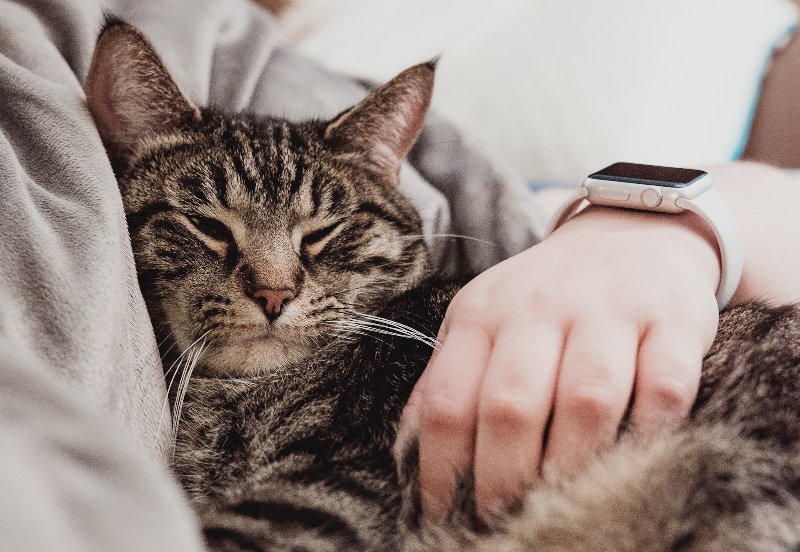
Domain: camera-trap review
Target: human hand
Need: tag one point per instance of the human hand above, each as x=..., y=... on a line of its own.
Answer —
x=615, y=310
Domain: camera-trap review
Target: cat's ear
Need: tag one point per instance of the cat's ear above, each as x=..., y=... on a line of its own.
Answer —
x=131, y=93
x=379, y=131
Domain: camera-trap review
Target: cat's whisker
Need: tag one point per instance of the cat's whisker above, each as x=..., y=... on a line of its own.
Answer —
x=174, y=369
x=371, y=286
x=385, y=321
x=351, y=333
x=169, y=349
x=368, y=322
x=182, y=370
x=392, y=323
x=185, y=366
x=190, y=364
x=380, y=322
x=162, y=333
x=157, y=330
x=413, y=316
x=451, y=236
x=388, y=283
x=391, y=333
x=178, y=360
x=347, y=333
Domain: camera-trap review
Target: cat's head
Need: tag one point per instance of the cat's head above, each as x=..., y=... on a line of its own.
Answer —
x=253, y=234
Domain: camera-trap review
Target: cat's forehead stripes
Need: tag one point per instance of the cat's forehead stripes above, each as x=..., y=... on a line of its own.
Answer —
x=242, y=169
x=265, y=161
x=239, y=149
x=265, y=171
x=219, y=176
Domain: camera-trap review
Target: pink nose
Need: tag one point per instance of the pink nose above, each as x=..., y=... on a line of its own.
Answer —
x=273, y=301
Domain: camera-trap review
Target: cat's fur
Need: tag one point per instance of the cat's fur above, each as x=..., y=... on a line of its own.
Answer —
x=286, y=433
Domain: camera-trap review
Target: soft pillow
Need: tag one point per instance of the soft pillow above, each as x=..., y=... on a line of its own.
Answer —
x=565, y=87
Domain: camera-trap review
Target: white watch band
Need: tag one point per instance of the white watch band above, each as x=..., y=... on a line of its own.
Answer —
x=720, y=218
x=565, y=211
x=713, y=209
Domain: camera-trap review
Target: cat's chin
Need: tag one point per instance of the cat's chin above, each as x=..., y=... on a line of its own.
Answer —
x=256, y=356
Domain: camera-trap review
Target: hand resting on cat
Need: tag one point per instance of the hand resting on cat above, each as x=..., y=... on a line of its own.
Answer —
x=610, y=316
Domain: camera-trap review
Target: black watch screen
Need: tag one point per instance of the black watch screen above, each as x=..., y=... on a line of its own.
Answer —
x=649, y=175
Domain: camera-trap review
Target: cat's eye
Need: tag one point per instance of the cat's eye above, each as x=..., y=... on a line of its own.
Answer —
x=320, y=234
x=212, y=228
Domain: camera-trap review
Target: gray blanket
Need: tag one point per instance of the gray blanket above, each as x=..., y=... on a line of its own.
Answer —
x=83, y=419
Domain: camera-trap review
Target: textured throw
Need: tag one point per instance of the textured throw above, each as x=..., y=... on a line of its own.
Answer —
x=82, y=402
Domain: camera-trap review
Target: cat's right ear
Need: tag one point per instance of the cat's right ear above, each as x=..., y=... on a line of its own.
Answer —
x=131, y=93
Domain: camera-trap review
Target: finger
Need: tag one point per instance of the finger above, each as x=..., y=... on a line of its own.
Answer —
x=408, y=426
x=592, y=393
x=447, y=416
x=513, y=408
x=667, y=378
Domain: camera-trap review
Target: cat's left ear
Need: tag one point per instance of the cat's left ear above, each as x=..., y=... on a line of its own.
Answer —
x=379, y=131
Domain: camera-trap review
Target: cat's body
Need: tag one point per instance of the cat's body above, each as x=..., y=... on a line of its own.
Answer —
x=308, y=460
x=328, y=475
x=266, y=251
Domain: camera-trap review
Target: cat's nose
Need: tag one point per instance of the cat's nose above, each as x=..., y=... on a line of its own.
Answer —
x=273, y=300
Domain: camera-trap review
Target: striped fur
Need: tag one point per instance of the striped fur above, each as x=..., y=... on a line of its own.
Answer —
x=298, y=218
x=285, y=433
x=313, y=446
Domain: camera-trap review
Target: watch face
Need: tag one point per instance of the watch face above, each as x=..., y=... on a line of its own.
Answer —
x=651, y=175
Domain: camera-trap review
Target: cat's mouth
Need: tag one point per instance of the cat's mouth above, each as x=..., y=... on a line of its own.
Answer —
x=249, y=343
x=241, y=334
x=255, y=351
x=263, y=335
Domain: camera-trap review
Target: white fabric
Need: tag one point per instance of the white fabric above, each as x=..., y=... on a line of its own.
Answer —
x=565, y=87
x=84, y=425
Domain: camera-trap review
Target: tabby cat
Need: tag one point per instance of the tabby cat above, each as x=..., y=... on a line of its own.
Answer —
x=271, y=251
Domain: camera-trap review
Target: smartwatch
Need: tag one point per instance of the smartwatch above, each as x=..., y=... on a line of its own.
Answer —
x=665, y=190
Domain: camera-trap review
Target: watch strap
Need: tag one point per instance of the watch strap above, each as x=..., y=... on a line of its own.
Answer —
x=565, y=211
x=719, y=216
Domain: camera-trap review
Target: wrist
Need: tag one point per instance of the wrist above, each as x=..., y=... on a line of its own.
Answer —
x=673, y=191
x=686, y=236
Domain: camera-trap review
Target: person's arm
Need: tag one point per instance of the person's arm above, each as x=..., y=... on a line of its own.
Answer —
x=616, y=308
x=765, y=200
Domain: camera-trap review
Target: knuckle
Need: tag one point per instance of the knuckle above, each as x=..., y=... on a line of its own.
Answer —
x=672, y=394
x=643, y=304
x=692, y=317
x=440, y=414
x=594, y=404
x=684, y=309
x=550, y=298
x=470, y=304
x=508, y=412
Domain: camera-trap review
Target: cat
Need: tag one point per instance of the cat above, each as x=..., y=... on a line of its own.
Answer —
x=282, y=260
